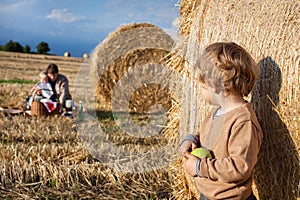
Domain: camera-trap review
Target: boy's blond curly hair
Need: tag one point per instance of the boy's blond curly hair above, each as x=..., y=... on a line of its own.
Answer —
x=228, y=67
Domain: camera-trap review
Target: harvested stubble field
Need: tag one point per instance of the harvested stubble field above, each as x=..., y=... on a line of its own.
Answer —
x=43, y=158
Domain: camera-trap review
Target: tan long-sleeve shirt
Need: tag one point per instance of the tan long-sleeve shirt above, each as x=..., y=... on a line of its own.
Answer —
x=235, y=139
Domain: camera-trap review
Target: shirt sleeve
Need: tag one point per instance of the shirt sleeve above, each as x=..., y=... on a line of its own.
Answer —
x=189, y=137
x=64, y=91
x=243, y=148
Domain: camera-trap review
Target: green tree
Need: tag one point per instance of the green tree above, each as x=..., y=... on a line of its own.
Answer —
x=13, y=46
x=26, y=49
x=42, y=48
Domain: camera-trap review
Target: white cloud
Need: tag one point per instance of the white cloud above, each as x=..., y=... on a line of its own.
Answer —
x=11, y=7
x=64, y=16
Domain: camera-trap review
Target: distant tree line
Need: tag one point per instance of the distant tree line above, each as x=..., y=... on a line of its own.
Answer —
x=41, y=48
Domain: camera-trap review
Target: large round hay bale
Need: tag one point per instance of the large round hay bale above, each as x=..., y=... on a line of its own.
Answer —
x=270, y=31
x=129, y=47
x=127, y=76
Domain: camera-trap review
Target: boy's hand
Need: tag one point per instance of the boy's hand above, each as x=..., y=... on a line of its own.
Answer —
x=187, y=146
x=189, y=163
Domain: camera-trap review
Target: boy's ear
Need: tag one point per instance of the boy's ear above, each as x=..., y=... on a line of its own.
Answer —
x=216, y=89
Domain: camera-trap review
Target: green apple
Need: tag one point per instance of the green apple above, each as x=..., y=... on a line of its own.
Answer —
x=201, y=153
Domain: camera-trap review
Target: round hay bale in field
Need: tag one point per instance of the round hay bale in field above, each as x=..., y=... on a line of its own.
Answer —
x=67, y=54
x=127, y=48
x=85, y=56
x=132, y=87
x=270, y=31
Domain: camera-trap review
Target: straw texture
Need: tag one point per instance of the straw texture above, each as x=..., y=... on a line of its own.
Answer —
x=129, y=47
x=270, y=31
x=119, y=68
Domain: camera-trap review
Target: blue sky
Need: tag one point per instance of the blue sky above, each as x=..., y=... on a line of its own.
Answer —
x=78, y=26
